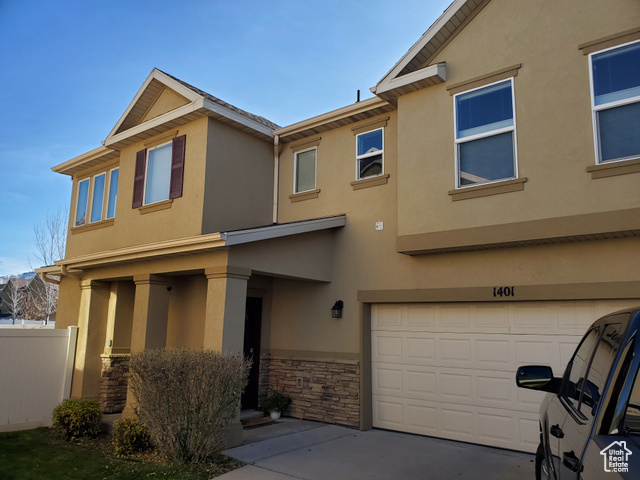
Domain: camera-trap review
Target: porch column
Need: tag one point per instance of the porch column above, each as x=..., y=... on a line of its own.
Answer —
x=92, y=320
x=224, y=322
x=150, y=315
x=150, y=312
x=225, y=310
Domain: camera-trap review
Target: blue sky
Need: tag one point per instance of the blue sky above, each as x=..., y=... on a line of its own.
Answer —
x=70, y=69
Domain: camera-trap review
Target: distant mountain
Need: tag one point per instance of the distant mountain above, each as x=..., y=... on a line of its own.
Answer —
x=26, y=275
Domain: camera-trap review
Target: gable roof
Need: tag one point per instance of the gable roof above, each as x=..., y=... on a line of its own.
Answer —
x=413, y=71
x=132, y=125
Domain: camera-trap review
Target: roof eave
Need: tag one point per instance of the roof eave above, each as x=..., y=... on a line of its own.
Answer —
x=342, y=116
x=82, y=162
x=425, y=77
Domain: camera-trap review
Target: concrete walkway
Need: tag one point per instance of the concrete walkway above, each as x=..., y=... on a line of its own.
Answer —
x=296, y=449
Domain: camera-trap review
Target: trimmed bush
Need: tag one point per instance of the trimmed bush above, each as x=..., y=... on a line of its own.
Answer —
x=75, y=418
x=130, y=436
x=187, y=399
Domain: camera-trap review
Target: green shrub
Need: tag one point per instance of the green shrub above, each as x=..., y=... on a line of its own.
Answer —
x=130, y=436
x=276, y=401
x=75, y=418
x=187, y=399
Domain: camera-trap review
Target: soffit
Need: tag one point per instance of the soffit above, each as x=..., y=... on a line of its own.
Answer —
x=337, y=118
x=417, y=60
x=88, y=161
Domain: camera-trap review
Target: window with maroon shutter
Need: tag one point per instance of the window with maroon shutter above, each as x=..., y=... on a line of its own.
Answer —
x=138, y=181
x=177, y=166
x=158, y=177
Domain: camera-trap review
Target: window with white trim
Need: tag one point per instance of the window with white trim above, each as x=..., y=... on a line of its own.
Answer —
x=615, y=101
x=96, y=197
x=304, y=178
x=370, y=154
x=159, y=173
x=485, y=134
x=156, y=187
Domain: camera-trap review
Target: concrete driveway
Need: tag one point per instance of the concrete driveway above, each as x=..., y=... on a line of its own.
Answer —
x=296, y=449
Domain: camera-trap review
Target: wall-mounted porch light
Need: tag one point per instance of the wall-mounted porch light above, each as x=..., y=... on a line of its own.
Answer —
x=336, y=310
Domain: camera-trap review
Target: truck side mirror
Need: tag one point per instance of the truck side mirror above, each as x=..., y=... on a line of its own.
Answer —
x=537, y=377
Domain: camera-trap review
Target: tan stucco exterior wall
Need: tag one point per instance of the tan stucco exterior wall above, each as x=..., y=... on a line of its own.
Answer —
x=553, y=118
x=132, y=226
x=239, y=180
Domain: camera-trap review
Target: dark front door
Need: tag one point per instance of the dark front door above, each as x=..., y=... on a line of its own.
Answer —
x=252, y=324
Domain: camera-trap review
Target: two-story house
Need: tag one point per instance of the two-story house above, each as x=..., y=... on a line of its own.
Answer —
x=478, y=213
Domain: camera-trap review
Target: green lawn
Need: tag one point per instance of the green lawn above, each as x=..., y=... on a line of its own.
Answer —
x=40, y=455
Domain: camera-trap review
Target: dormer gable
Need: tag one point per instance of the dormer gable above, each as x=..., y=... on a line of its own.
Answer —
x=165, y=102
x=414, y=70
x=159, y=94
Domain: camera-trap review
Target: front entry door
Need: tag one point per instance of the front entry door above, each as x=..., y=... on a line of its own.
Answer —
x=252, y=325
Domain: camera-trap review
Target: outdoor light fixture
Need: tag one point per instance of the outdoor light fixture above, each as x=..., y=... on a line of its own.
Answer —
x=336, y=310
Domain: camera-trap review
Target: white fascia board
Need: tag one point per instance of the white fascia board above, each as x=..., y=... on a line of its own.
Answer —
x=175, y=85
x=80, y=159
x=155, y=122
x=333, y=115
x=437, y=70
x=426, y=38
x=236, y=117
x=239, y=237
x=166, y=80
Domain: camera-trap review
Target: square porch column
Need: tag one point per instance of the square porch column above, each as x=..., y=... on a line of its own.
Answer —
x=92, y=321
x=150, y=312
x=150, y=315
x=224, y=322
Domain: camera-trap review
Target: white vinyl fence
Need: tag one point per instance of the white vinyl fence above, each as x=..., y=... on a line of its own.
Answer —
x=36, y=366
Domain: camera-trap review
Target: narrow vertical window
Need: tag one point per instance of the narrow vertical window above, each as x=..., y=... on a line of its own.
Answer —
x=97, y=199
x=615, y=80
x=485, y=135
x=113, y=192
x=81, y=205
x=370, y=154
x=158, y=174
x=305, y=171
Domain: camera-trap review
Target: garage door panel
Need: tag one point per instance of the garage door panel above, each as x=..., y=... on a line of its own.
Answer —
x=491, y=389
x=448, y=370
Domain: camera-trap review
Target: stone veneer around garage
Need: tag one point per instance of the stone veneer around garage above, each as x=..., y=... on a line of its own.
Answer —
x=322, y=389
x=113, y=382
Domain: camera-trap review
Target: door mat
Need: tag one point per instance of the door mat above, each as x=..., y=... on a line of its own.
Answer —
x=257, y=422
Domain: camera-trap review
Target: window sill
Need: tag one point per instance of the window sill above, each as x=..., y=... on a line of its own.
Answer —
x=488, y=189
x=370, y=182
x=154, y=207
x=92, y=226
x=612, y=169
x=300, y=197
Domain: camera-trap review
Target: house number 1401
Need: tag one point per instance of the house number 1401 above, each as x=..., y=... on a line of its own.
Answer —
x=504, y=292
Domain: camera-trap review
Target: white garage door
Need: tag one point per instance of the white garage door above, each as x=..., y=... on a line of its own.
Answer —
x=448, y=370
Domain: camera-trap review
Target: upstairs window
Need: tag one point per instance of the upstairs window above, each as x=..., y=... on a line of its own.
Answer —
x=615, y=89
x=370, y=154
x=159, y=173
x=83, y=199
x=97, y=198
x=305, y=171
x=113, y=192
x=485, y=134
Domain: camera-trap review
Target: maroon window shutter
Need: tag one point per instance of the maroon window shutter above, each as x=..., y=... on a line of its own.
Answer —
x=138, y=180
x=177, y=166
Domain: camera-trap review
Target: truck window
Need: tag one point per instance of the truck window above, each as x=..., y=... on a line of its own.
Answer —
x=631, y=422
x=599, y=370
x=577, y=367
x=588, y=371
